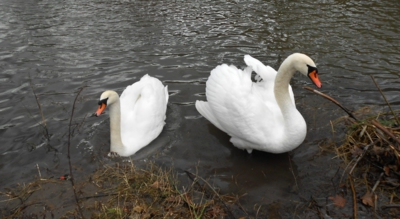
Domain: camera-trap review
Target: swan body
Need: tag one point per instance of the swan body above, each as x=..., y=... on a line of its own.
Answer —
x=259, y=115
x=137, y=117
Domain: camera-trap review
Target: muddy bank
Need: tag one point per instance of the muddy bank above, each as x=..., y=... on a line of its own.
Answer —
x=361, y=182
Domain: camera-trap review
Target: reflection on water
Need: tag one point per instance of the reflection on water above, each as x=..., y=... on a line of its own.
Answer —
x=58, y=47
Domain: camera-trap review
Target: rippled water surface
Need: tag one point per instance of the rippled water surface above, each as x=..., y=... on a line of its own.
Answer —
x=56, y=47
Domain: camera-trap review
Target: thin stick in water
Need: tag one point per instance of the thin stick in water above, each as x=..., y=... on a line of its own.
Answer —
x=46, y=131
x=40, y=175
x=333, y=100
x=384, y=97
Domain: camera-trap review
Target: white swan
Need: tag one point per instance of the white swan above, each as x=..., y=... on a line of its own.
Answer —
x=258, y=115
x=137, y=117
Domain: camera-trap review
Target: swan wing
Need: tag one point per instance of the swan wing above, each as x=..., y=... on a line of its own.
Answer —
x=268, y=74
x=143, y=108
x=236, y=107
x=205, y=110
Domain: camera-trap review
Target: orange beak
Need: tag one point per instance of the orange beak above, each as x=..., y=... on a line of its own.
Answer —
x=101, y=108
x=314, y=78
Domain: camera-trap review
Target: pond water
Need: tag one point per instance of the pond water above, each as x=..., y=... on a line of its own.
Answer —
x=56, y=47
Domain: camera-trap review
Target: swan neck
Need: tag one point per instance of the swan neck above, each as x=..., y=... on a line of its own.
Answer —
x=115, y=127
x=295, y=127
x=282, y=81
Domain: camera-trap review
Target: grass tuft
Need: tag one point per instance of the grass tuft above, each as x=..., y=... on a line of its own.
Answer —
x=119, y=191
x=151, y=193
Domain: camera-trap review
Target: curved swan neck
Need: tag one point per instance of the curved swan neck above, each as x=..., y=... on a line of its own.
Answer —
x=295, y=127
x=281, y=89
x=115, y=127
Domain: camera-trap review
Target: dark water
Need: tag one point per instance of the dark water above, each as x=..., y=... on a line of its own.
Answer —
x=61, y=46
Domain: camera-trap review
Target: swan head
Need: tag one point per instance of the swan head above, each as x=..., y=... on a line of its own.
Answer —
x=306, y=66
x=107, y=98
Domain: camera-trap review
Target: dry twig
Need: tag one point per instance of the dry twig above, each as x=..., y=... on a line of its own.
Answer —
x=355, y=213
x=384, y=97
x=69, y=154
x=333, y=100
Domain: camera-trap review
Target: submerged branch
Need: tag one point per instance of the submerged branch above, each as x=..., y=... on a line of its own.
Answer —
x=44, y=125
x=384, y=97
x=333, y=100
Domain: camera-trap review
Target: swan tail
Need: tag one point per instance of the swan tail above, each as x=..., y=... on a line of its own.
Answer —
x=265, y=72
x=204, y=109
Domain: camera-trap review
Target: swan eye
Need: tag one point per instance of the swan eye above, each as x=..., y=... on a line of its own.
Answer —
x=311, y=69
x=103, y=101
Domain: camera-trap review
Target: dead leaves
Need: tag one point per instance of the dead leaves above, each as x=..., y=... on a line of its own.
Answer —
x=174, y=199
x=338, y=201
x=386, y=169
x=216, y=211
x=371, y=149
x=356, y=151
x=368, y=199
x=138, y=209
x=156, y=185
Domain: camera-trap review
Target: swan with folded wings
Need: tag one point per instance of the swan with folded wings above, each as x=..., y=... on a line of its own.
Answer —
x=137, y=117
